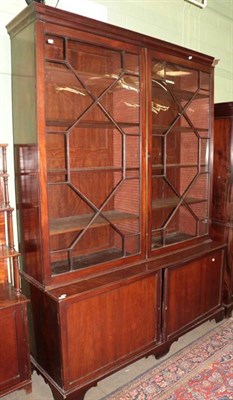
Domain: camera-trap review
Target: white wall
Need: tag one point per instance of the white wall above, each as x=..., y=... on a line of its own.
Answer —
x=208, y=30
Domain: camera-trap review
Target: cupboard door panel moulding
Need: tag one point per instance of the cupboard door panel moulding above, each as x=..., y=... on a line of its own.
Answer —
x=189, y=294
x=113, y=172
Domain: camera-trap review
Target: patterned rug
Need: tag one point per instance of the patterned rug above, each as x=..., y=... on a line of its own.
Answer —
x=200, y=371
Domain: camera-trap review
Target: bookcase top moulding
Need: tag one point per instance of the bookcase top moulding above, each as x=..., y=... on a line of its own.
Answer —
x=44, y=13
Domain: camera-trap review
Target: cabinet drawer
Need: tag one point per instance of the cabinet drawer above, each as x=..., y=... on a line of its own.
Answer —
x=191, y=292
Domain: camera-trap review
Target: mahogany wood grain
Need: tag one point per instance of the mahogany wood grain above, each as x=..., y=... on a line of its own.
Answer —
x=87, y=149
x=191, y=291
x=15, y=370
x=222, y=207
x=14, y=342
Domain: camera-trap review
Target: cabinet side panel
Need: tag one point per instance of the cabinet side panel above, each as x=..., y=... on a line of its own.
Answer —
x=26, y=148
x=24, y=88
x=104, y=329
x=45, y=333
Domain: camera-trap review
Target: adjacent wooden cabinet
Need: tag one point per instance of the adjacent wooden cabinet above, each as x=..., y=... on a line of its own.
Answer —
x=113, y=174
x=222, y=213
x=15, y=372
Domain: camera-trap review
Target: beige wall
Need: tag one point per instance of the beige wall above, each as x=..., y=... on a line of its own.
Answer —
x=208, y=30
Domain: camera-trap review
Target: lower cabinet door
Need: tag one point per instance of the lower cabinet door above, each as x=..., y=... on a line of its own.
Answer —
x=102, y=330
x=14, y=354
x=192, y=291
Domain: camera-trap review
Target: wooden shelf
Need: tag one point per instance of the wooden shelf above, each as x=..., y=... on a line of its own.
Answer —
x=9, y=297
x=7, y=252
x=177, y=165
x=176, y=129
x=173, y=201
x=171, y=239
x=4, y=174
x=86, y=260
x=91, y=124
x=90, y=169
x=75, y=223
x=6, y=209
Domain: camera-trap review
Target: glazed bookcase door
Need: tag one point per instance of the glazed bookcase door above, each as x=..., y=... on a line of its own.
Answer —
x=93, y=148
x=180, y=146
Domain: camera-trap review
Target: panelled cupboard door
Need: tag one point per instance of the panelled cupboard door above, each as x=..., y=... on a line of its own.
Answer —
x=14, y=365
x=102, y=330
x=191, y=291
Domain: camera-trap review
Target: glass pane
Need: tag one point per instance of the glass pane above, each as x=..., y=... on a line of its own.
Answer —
x=182, y=148
x=60, y=262
x=204, y=145
x=97, y=67
x=56, y=152
x=96, y=246
x=93, y=148
x=80, y=256
x=204, y=81
x=65, y=202
x=180, y=153
x=132, y=244
x=198, y=112
x=158, y=70
x=66, y=98
x=203, y=227
x=199, y=188
x=157, y=239
x=127, y=199
x=54, y=47
x=96, y=185
x=165, y=200
x=132, y=157
x=182, y=226
x=181, y=178
x=131, y=63
x=175, y=74
x=124, y=93
x=164, y=109
x=60, y=241
x=157, y=151
x=200, y=209
x=100, y=235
